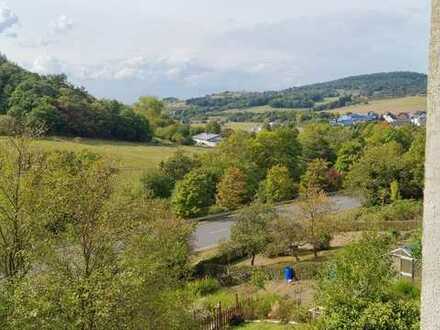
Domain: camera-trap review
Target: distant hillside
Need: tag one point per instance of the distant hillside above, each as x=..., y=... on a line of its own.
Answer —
x=321, y=96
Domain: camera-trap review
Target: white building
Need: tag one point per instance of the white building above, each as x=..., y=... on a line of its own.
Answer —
x=207, y=139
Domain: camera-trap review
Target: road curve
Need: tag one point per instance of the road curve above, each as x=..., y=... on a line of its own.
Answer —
x=209, y=234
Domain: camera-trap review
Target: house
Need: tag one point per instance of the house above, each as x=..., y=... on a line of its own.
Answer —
x=400, y=119
x=404, y=262
x=419, y=118
x=354, y=118
x=207, y=139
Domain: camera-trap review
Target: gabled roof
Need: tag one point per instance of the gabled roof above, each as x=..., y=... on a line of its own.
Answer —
x=206, y=137
x=405, y=251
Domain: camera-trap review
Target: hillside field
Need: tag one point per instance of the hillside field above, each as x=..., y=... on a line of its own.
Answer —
x=404, y=104
x=132, y=159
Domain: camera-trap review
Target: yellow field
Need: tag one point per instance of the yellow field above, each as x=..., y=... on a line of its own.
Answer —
x=404, y=104
x=131, y=158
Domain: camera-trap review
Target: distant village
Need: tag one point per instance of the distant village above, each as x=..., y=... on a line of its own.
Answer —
x=417, y=119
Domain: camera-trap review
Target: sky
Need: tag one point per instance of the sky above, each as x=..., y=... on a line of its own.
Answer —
x=124, y=49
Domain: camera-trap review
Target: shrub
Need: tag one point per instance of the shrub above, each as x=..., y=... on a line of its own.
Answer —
x=405, y=289
x=204, y=286
x=157, y=185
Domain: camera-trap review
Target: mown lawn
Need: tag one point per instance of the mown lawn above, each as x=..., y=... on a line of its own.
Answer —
x=132, y=159
x=264, y=326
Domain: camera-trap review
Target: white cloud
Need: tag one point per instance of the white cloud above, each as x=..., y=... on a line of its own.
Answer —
x=48, y=65
x=7, y=18
x=61, y=25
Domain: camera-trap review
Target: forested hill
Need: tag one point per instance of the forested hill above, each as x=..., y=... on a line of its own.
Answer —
x=320, y=96
x=63, y=109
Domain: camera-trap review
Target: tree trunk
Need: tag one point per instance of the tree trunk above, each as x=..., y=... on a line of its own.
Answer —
x=431, y=220
x=253, y=260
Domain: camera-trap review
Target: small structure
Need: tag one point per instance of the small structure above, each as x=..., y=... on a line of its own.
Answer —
x=396, y=120
x=354, y=118
x=419, y=119
x=207, y=139
x=404, y=262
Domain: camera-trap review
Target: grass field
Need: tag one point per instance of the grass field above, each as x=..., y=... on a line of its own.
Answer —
x=264, y=326
x=131, y=158
x=245, y=126
x=404, y=104
x=263, y=109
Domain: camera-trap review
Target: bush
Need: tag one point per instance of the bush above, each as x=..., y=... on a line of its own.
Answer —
x=404, y=289
x=204, y=286
x=7, y=125
x=157, y=185
x=260, y=306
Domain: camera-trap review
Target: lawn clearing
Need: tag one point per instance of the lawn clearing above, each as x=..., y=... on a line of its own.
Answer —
x=131, y=158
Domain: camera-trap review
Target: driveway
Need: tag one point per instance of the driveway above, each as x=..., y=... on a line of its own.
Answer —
x=210, y=233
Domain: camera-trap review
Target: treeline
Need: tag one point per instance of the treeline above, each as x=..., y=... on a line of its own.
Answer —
x=53, y=104
x=322, y=96
x=382, y=163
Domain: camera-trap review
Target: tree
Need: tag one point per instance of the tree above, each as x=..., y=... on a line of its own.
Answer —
x=313, y=139
x=151, y=108
x=177, y=166
x=347, y=155
x=354, y=289
x=249, y=234
x=21, y=171
x=213, y=126
x=277, y=147
x=104, y=268
x=373, y=174
x=157, y=185
x=315, y=176
x=194, y=194
x=285, y=235
x=314, y=208
x=278, y=185
x=232, y=189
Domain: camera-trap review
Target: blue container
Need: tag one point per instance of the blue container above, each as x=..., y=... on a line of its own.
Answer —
x=288, y=274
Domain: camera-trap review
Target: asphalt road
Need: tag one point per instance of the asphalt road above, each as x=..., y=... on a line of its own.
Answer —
x=210, y=233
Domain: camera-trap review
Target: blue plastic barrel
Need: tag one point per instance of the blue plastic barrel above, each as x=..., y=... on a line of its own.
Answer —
x=288, y=274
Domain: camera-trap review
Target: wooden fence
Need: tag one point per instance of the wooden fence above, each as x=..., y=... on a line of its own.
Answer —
x=220, y=318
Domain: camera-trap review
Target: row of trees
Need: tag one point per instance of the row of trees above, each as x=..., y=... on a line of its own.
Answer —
x=379, y=162
x=74, y=254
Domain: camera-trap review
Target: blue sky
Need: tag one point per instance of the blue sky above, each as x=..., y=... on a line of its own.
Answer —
x=127, y=48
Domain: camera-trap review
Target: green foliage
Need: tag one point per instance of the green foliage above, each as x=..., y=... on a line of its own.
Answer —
x=177, y=166
x=315, y=142
x=204, y=286
x=278, y=185
x=157, y=185
x=355, y=290
x=249, y=233
x=375, y=171
x=277, y=147
x=194, y=194
x=232, y=189
x=391, y=315
x=343, y=92
x=347, y=155
x=214, y=127
x=62, y=109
